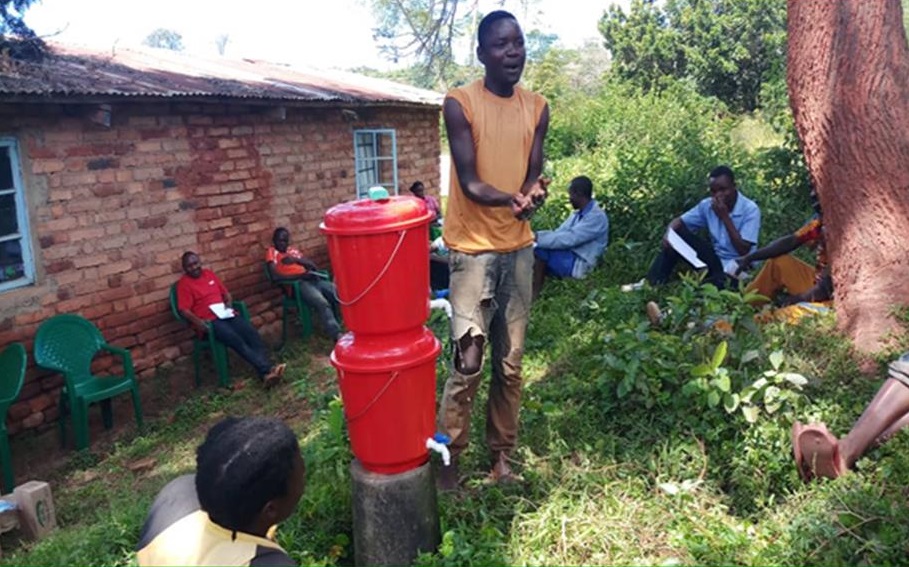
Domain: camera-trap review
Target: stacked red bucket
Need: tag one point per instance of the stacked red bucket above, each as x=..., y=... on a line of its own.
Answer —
x=386, y=362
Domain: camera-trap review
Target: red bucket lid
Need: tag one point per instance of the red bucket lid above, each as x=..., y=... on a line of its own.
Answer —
x=367, y=216
x=383, y=353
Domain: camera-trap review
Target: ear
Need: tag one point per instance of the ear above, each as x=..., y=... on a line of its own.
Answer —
x=268, y=515
x=481, y=55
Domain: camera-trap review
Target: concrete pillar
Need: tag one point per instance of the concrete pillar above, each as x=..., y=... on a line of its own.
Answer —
x=395, y=517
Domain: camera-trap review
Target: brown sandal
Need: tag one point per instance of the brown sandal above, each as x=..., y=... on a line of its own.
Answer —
x=817, y=451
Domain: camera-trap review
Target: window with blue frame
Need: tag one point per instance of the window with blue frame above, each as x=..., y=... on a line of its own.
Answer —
x=16, y=267
x=376, y=160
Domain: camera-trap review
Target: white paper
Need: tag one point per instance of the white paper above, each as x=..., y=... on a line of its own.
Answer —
x=221, y=311
x=686, y=251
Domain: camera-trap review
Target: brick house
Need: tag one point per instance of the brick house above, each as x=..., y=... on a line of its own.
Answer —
x=113, y=164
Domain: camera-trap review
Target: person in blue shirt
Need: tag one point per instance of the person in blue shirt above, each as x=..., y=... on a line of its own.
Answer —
x=572, y=250
x=732, y=222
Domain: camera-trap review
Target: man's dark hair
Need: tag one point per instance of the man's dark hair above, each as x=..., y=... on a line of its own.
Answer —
x=487, y=22
x=722, y=170
x=583, y=185
x=186, y=255
x=242, y=465
x=415, y=185
x=278, y=231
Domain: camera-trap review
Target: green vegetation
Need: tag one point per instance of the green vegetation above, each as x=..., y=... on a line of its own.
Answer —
x=631, y=448
x=639, y=445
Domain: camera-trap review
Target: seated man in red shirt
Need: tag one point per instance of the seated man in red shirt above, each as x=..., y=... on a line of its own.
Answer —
x=289, y=264
x=197, y=291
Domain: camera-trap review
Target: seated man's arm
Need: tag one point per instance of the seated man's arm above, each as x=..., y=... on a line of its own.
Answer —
x=675, y=224
x=228, y=300
x=589, y=228
x=778, y=247
x=744, y=237
x=185, y=308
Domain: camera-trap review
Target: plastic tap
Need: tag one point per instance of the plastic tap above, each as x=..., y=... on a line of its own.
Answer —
x=439, y=444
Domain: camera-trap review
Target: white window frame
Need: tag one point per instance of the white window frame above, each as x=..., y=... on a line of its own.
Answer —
x=23, y=234
x=367, y=167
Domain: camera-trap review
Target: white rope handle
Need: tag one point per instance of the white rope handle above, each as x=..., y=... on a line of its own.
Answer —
x=378, y=277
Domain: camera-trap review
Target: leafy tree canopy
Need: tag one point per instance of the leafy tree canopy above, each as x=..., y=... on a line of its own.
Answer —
x=728, y=48
x=17, y=40
x=432, y=32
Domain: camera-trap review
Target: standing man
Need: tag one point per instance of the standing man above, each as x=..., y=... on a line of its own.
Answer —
x=496, y=131
x=573, y=249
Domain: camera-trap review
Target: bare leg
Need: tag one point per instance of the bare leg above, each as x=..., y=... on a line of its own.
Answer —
x=893, y=429
x=888, y=408
x=470, y=354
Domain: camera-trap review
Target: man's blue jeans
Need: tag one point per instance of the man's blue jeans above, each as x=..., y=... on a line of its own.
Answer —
x=319, y=294
x=666, y=260
x=238, y=334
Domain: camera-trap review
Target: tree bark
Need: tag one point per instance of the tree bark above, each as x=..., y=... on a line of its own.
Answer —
x=848, y=77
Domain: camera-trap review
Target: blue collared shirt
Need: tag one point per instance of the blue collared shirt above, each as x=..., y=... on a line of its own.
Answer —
x=585, y=233
x=746, y=217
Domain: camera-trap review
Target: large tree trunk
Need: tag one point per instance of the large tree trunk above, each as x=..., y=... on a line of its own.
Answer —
x=848, y=75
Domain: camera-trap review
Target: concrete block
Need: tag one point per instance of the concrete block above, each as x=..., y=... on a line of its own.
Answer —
x=37, y=515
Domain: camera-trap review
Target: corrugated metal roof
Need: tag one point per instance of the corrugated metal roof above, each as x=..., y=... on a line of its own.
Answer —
x=77, y=71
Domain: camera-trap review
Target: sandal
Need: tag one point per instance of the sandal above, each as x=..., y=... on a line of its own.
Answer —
x=804, y=473
x=818, y=451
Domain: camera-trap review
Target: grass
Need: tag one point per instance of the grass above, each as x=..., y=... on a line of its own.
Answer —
x=624, y=462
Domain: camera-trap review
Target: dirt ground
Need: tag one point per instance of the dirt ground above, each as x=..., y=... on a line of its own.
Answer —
x=40, y=455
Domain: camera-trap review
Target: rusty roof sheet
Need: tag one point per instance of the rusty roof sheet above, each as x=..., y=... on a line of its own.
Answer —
x=77, y=71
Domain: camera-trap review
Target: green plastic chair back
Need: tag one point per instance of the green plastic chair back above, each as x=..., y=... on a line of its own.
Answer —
x=67, y=344
x=291, y=300
x=208, y=342
x=12, y=374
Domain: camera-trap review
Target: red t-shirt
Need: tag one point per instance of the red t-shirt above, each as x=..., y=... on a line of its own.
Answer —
x=275, y=257
x=196, y=294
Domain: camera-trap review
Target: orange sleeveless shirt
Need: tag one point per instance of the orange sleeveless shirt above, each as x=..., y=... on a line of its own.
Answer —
x=502, y=130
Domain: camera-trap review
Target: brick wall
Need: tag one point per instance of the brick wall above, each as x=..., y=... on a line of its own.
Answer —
x=112, y=209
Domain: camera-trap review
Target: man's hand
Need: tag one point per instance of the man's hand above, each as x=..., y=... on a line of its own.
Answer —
x=719, y=207
x=521, y=206
x=539, y=191
x=744, y=263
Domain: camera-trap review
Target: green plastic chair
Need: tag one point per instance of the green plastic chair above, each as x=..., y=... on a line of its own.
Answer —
x=12, y=374
x=208, y=342
x=67, y=344
x=292, y=300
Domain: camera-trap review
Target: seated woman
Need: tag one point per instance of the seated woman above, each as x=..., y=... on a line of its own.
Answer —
x=419, y=191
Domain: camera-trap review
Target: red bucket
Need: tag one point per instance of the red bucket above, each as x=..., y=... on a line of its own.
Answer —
x=379, y=254
x=388, y=385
